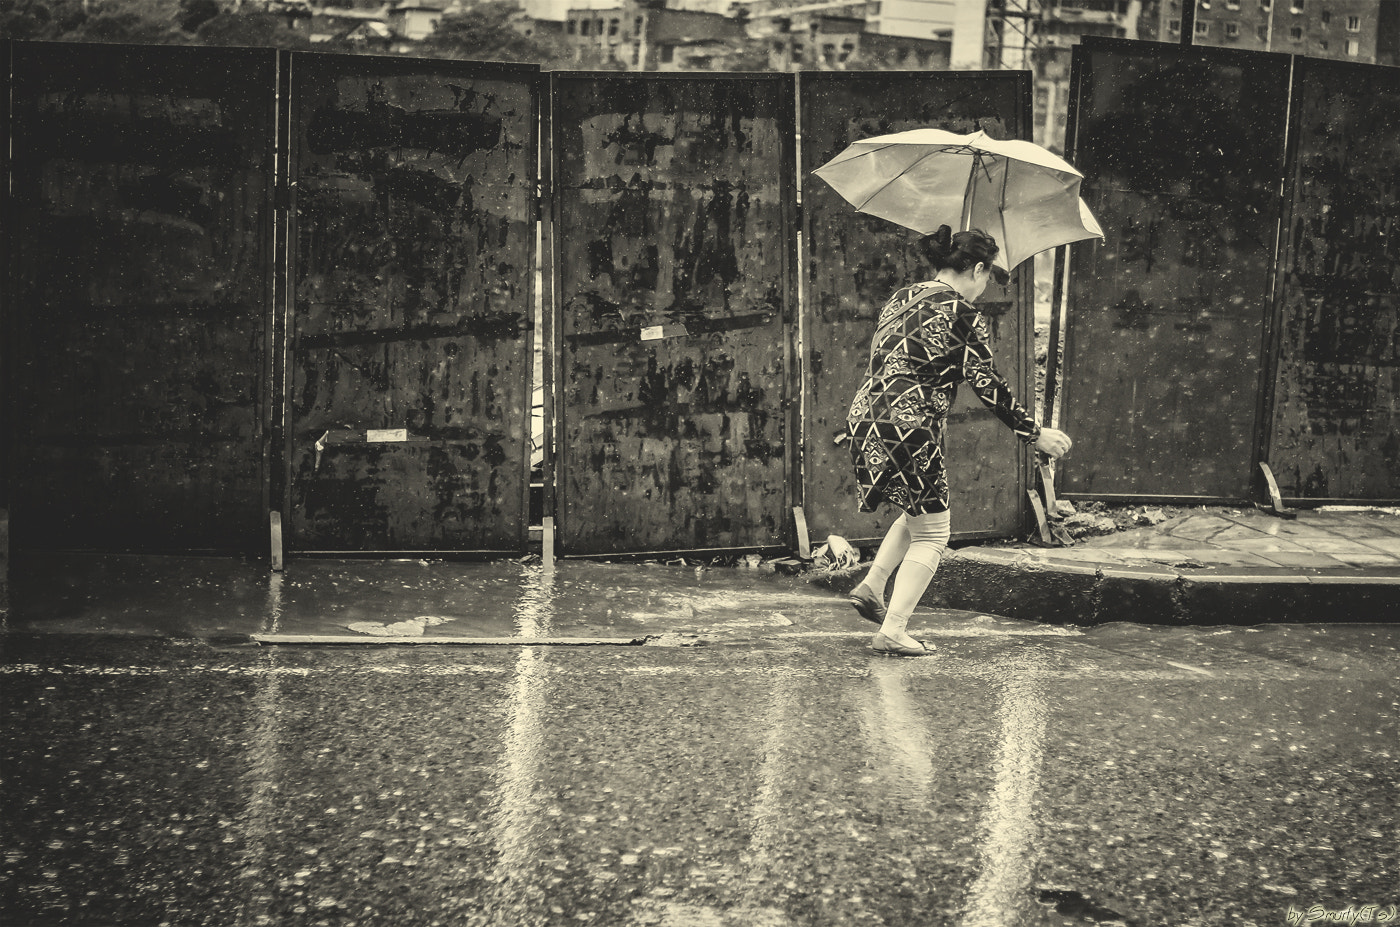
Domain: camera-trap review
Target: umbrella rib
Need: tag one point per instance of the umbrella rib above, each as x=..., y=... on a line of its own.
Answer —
x=1005, y=245
x=910, y=166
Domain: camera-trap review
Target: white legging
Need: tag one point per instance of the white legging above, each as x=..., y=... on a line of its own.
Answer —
x=921, y=539
x=928, y=538
x=915, y=546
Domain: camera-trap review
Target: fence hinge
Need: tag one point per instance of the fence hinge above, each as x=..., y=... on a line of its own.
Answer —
x=542, y=201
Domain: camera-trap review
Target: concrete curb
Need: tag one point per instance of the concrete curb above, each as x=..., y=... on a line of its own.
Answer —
x=1030, y=585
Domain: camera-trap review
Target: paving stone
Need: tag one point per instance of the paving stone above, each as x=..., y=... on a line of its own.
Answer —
x=1272, y=544
x=1232, y=558
x=1144, y=539
x=1302, y=560
x=1329, y=546
x=1309, y=523
x=1084, y=554
x=1359, y=531
x=1200, y=527
x=1244, y=533
x=1371, y=559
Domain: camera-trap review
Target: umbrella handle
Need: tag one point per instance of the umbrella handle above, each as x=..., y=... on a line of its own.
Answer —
x=967, y=194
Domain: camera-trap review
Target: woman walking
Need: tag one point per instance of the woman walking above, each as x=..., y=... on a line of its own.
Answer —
x=928, y=339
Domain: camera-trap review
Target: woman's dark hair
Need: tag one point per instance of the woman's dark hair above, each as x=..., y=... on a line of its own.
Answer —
x=961, y=252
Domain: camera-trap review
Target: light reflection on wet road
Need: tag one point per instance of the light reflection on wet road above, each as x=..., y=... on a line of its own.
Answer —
x=1005, y=883
x=1025, y=776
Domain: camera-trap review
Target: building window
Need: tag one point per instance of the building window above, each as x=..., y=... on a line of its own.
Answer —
x=1297, y=6
x=1353, y=23
x=1232, y=4
x=637, y=26
x=1174, y=26
x=1262, y=33
x=1353, y=47
x=1295, y=34
x=1232, y=30
x=1266, y=5
x=668, y=53
x=1202, y=28
x=1204, y=4
x=612, y=27
x=1323, y=45
x=571, y=28
x=584, y=26
x=636, y=53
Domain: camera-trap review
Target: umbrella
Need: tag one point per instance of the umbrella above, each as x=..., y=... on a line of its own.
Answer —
x=1016, y=191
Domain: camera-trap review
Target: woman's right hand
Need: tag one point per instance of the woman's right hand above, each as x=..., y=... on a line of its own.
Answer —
x=1054, y=442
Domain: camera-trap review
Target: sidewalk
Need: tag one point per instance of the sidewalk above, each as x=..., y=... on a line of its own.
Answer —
x=1219, y=566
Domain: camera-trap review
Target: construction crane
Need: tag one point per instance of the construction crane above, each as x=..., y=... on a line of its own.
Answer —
x=1012, y=36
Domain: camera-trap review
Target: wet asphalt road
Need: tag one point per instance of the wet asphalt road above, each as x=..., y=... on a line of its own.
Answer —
x=1025, y=776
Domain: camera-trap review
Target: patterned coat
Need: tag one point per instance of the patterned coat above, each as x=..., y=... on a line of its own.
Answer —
x=926, y=341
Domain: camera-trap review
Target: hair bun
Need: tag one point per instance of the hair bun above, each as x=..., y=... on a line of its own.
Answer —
x=959, y=252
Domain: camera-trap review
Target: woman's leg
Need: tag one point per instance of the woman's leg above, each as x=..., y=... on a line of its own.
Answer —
x=888, y=557
x=928, y=538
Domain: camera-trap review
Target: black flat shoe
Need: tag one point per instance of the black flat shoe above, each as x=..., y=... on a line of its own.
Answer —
x=865, y=603
x=887, y=646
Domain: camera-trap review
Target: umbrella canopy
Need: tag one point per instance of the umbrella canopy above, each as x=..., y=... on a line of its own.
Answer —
x=1016, y=191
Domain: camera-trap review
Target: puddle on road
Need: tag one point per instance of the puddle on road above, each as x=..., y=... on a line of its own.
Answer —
x=420, y=599
x=176, y=596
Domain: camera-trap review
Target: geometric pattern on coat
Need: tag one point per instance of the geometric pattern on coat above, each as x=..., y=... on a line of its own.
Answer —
x=928, y=340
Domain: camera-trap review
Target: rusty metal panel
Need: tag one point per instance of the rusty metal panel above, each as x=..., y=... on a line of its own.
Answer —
x=1182, y=152
x=140, y=276
x=7, y=221
x=673, y=199
x=1336, y=398
x=854, y=262
x=410, y=362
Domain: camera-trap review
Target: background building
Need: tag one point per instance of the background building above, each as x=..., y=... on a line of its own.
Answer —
x=1347, y=29
x=842, y=36
x=645, y=36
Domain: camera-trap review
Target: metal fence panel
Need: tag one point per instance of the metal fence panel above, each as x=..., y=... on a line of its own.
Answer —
x=854, y=262
x=1182, y=152
x=414, y=230
x=673, y=198
x=139, y=272
x=1336, y=414
x=7, y=221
